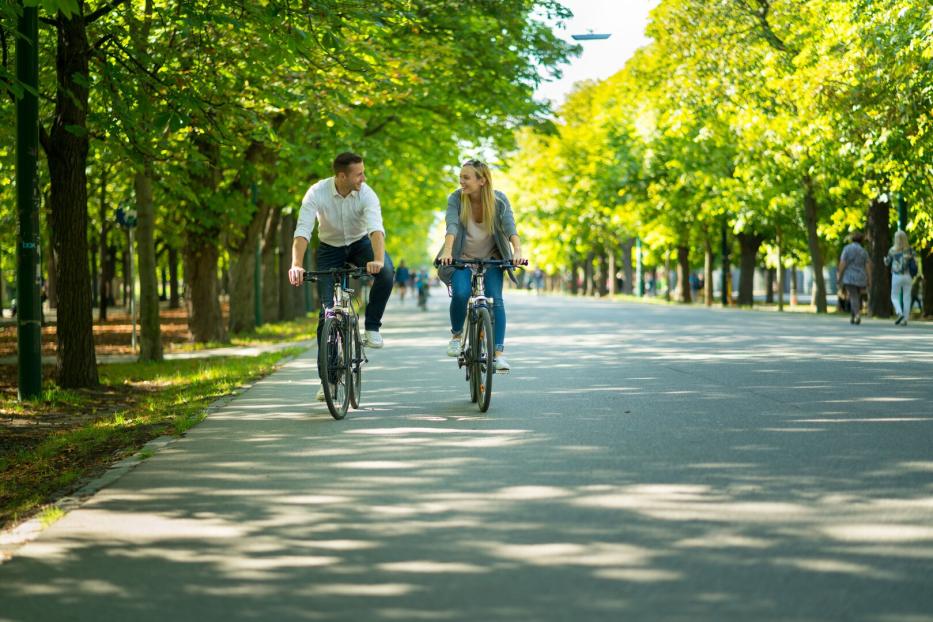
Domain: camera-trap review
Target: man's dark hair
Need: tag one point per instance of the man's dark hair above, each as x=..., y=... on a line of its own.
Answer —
x=857, y=236
x=343, y=161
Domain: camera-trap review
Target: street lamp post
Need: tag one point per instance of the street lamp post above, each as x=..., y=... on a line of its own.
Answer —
x=28, y=313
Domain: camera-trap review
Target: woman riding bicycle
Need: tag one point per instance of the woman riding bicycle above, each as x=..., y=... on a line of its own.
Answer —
x=480, y=225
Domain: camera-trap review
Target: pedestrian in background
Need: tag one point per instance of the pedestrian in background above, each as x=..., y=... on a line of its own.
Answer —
x=402, y=275
x=903, y=268
x=855, y=274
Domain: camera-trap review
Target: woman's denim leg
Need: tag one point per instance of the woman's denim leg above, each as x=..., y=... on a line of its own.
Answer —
x=460, y=285
x=494, y=291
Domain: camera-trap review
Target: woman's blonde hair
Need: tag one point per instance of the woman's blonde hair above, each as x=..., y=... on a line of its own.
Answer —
x=486, y=193
x=900, y=242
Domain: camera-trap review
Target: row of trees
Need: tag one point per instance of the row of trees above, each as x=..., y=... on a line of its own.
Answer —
x=784, y=123
x=211, y=120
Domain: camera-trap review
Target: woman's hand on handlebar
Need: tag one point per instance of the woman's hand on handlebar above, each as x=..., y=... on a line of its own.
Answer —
x=445, y=258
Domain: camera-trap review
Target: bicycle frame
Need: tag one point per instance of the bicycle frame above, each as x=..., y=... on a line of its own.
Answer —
x=353, y=356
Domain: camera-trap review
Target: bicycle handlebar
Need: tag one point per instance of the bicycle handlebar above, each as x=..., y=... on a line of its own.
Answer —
x=500, y=263
x=351, y=271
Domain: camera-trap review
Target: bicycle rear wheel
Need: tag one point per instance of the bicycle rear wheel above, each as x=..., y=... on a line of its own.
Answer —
x=332, y=365
x=356, y=364
x=483, y=353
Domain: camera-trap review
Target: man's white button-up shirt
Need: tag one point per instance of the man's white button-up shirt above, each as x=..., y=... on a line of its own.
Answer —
x=343, y=220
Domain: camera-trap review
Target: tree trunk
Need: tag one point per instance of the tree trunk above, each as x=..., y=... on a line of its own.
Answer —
x=93, y=271
x=683, y=274
x=66, y=149
x=926, y=293
x=200, y=262
x=793, y=286
x=612, y=270
x=601, y=277
x=878, y=242
x=201, y=254
x=769, y=287
x=588, y=289
x=106, y=265
x=813, y=241
x=174, y=299
x=781, y=270
x=708, y=271
x=749, y=243
x=287, y=293
x=270, y=277
x=243, y=275
x=150, y=344
x=628, y=270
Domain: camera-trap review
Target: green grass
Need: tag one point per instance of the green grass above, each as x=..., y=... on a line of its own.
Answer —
x=147, y=400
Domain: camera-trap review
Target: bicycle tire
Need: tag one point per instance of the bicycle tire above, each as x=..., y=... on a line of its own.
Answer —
x=484, y=353
x=471, y=376
x=333, y=368
x=356, y=364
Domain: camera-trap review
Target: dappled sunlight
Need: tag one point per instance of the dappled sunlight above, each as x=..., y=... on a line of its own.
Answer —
x=622, y=471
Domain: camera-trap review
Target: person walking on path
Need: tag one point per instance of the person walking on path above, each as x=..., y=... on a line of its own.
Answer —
x=401, y=279
x=899, y=259
x=480, y=225
x=855, y=274
x=350, y=228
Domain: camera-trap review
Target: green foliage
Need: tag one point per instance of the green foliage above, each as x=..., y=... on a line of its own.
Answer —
x=723, y=116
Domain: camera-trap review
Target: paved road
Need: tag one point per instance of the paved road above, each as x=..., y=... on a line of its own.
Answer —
x=641, y=463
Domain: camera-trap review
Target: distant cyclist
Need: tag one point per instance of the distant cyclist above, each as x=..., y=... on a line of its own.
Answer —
x=480, y=225
x=350, y=228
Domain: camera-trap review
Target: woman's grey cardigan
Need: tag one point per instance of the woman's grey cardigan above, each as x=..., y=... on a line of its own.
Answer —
x=503, y=229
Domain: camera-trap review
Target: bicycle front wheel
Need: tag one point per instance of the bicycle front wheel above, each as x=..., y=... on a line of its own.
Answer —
x=332, y=365
x=356, y=365
x=483, y=352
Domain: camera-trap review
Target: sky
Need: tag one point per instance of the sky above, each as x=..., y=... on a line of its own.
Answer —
x=625, y=20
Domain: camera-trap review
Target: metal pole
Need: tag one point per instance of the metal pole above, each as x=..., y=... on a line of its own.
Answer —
x=29, y=300
x=132, y=292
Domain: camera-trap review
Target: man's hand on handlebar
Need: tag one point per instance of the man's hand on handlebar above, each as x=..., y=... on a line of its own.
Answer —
x=374, y=267
x=296, y=275
x=444, y=259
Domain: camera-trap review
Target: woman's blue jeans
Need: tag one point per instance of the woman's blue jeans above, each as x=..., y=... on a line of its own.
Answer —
x=460, y=284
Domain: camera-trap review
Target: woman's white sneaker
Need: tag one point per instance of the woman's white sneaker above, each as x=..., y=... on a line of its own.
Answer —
x=453, y=348
x=502, y=365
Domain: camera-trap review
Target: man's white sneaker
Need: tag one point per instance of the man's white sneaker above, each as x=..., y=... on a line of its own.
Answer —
x=372, y=339
x=453, y=348
x=502, y=365
x=320, y=394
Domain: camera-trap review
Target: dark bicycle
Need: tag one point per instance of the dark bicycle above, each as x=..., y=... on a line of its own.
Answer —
x=477, y=350
x=341, y=355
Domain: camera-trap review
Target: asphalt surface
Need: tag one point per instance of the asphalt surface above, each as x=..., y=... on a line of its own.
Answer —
x=641, y=462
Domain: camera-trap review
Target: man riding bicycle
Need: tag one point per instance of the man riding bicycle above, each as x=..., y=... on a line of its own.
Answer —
x=350, y=228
